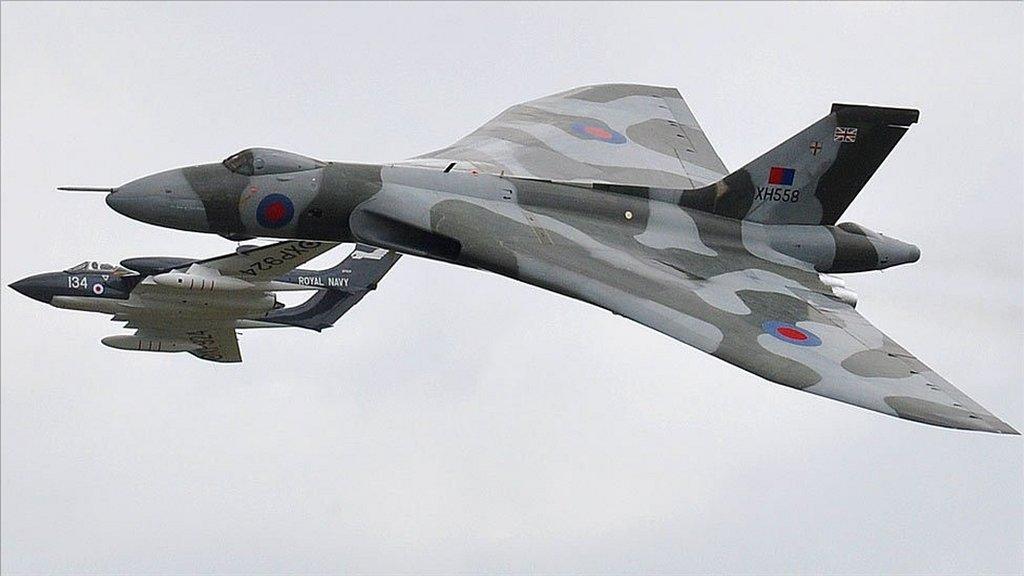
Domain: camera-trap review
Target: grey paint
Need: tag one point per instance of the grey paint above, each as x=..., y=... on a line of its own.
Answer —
x=755, y=284
x=611, y=447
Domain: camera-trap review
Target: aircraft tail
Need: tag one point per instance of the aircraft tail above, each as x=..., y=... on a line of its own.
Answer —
x=814, y=176
x=321, y=311
x=362, y=269
x=342, y=287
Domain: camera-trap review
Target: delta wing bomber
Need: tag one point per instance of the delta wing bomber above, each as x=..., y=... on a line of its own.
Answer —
x=195, y=306
x=613, y=195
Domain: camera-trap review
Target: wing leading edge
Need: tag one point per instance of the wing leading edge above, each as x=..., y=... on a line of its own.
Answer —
x=777, y=330
x=264, y=263
x=626, y=134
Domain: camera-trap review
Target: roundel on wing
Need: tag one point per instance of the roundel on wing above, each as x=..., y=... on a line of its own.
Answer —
x=790, y=333
x=592, y=130
x=275, y=211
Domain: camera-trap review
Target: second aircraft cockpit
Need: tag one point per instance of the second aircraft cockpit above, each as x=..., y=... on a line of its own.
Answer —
x=93, y=267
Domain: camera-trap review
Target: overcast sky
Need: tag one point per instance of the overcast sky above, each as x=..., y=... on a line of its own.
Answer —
x=458, y=421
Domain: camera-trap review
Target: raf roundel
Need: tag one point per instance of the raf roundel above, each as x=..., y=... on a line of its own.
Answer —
x=790, y=333
x=594, y=131
x=275, y=211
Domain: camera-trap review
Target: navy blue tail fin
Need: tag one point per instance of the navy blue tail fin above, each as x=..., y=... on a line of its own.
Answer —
x=339, y=288
x=362, y=269
x=321, y=311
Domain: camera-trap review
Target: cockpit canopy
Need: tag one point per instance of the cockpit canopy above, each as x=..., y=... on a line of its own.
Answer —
x=258, y=161
x=93, y=267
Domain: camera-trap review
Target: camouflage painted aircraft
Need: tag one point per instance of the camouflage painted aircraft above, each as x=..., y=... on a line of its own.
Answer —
x=613, y=195
x=195, y=306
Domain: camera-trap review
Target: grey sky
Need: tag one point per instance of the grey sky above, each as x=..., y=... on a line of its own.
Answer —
x=457, y=421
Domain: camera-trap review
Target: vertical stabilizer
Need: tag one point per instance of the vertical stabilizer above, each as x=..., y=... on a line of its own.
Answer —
x=814, y=176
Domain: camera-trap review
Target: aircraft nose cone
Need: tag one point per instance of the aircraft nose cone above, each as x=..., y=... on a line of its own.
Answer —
x=35, y=287
x=164, y=199
x=21, y=286
x=914, y=253
x=121, y=203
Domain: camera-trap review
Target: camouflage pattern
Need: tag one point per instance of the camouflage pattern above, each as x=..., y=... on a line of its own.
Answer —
x=613, y=195
x=655, y=139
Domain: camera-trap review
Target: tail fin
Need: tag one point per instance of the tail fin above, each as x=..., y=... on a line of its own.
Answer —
x=362, y=269
x=344, y=286
x=814, y=176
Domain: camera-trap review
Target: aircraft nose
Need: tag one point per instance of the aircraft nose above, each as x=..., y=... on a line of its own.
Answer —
x=164, y=199
x=36, y=287
x=913, y=253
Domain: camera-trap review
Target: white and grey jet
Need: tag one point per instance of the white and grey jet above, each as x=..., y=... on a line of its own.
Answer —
x=195, y=306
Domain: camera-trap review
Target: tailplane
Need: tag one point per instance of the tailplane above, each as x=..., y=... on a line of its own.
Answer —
x=814, y=176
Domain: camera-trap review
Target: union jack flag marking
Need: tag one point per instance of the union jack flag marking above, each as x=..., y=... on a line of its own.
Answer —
x=845, y=134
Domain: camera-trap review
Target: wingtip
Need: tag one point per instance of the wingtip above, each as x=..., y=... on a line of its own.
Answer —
x=994, y=426
x=1007, y=429
x=936, y=414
